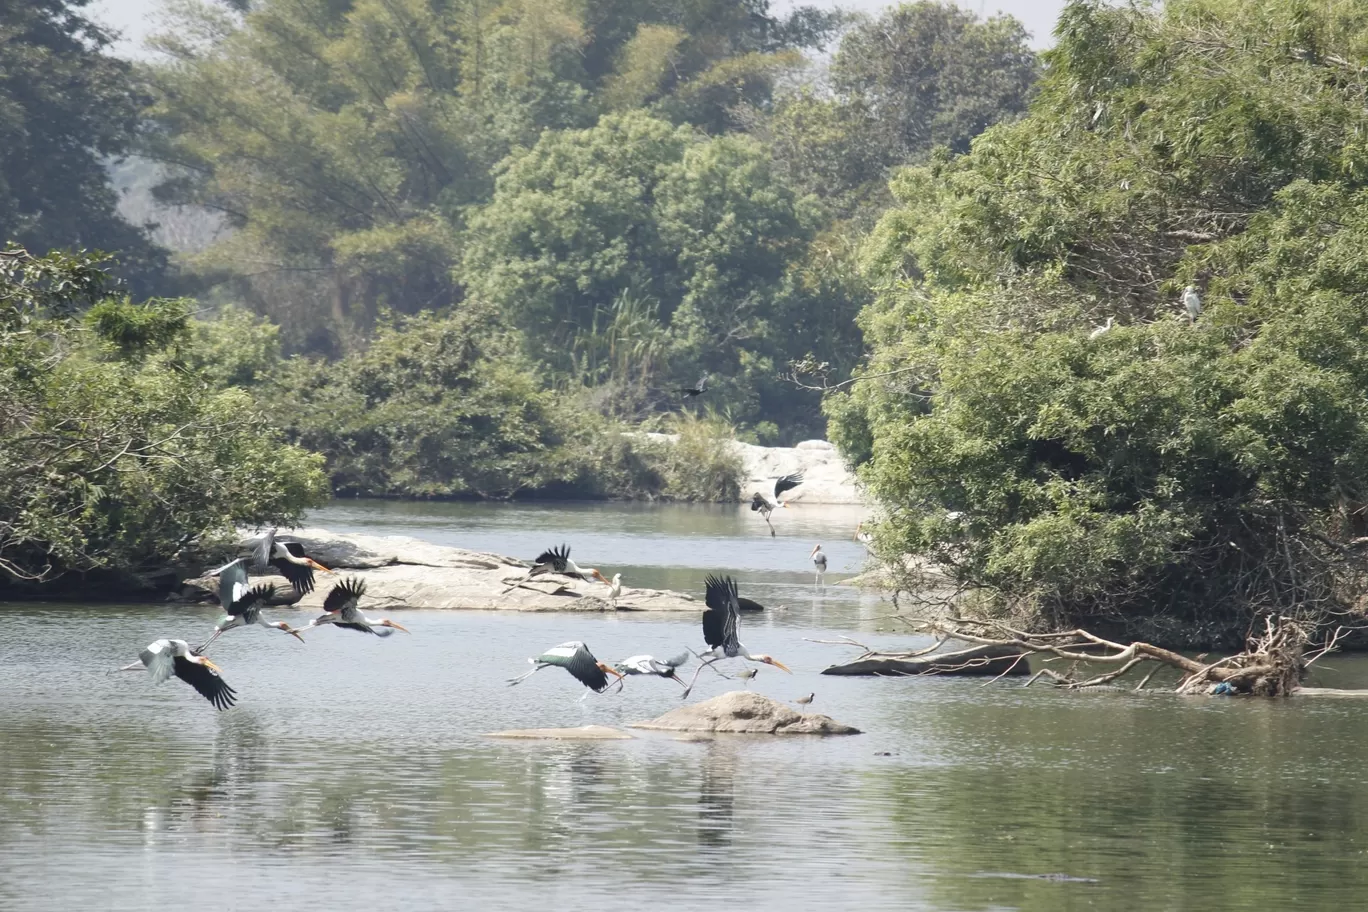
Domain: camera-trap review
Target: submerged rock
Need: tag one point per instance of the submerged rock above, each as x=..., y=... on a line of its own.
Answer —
x=583, y=733
x=745, y=711
x=402, y=572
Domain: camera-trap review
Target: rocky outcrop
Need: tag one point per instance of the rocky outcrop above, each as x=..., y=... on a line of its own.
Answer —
x=583, y=733
x=746, y=712
x=825, y=477
x=403, y=572
x=989, y=660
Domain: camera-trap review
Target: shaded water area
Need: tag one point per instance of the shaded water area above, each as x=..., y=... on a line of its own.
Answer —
x=353, y=773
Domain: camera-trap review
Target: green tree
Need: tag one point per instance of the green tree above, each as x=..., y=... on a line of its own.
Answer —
x=347, y=141
x=116, y=462
x=66, y=105
x=700, y=233
x=915, y=77
x=1163, y=478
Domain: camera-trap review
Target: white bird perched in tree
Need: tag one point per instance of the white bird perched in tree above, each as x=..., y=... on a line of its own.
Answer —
x=1192, y=302
x=1102, y=330
x=615, y=589
x=650, y=665
x=164, y=658
x=819, y=562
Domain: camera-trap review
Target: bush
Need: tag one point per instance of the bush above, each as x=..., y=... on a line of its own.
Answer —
x=114, y=461
x=1161, y=479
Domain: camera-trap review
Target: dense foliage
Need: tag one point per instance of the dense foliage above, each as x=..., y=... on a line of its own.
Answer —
x=65, y=104
x=1173, y=479
x=115, y=456
x=584, y=169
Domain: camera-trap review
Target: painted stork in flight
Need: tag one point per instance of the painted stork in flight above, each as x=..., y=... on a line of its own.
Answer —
x=819, y=562
x=242, y=604
x=719, y=628
x=575, y=658
x=762, y=505
x=697, y=389
x=341, y=609
x=650, y=665
x=289, y=559
x=557, y=560
x=164, y=658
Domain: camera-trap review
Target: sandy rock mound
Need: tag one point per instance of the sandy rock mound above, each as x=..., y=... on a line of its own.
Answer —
x=402, y=572
x=748, y=712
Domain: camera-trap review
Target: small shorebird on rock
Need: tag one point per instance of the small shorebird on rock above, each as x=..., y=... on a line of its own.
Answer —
x=805, y=701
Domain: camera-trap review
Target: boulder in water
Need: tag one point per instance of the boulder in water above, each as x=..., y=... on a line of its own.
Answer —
x=747, y=712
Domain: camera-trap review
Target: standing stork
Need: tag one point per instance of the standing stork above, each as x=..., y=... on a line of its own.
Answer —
x=615, y=590
x=1192, y=303
x=819, y=563
x=557, y=560
x=289, y=559
x=764, y=506
x=341, y=609
x=575, y=658
x=650, y=665
x=719, y=628
x=164, y=658
x=242, y=606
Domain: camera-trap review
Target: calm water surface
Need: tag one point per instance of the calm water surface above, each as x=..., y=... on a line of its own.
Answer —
x=354, y=775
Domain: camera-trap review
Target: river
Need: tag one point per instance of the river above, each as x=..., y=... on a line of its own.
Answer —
x=353, y=774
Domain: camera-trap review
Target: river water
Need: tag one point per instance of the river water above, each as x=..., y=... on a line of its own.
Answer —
x=353, y=774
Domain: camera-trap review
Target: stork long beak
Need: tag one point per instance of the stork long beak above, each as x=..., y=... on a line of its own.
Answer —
x=316, y=565
x=776, y=663
x=609, y=669
x=294, y=632
x=389, y=623
x=210, y=665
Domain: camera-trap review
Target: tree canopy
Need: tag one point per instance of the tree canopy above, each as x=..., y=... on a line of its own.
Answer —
x=116, y=458
x=1169, y=477
x=66, y=104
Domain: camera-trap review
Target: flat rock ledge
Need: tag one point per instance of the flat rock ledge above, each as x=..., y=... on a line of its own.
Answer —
x=745, y=712
x=583, y=733
x=402, y=572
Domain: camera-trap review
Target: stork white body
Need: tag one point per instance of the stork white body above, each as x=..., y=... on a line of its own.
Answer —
x=1192, y=302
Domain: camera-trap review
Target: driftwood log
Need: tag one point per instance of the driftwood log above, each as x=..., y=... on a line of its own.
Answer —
x=1273, y=664
x=990, y=660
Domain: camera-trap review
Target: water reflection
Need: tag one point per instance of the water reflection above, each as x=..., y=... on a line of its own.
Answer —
x=960, y=796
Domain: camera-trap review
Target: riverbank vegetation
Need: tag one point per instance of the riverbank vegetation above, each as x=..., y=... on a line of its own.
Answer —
x=1164, y=478
x=475, y=250
x=117, y=458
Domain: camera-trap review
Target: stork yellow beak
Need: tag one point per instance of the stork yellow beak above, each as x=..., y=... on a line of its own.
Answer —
x=397, y=626
x=316, y=565
x=777, y=664
x=610, y=670
x=209, y=665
